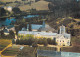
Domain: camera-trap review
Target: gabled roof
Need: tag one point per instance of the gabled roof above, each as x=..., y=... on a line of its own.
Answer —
x=36, y=26
x=67, y=35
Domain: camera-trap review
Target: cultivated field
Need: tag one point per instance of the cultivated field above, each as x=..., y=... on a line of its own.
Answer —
x=4, y=43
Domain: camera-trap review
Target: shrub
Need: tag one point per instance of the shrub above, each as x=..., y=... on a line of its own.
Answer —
x=13, y=41
x=34, y=45
x=17, y=41
x=49, y=41
x=40, y=41
x=45, y=42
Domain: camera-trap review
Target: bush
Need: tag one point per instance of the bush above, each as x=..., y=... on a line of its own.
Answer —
x=34, y=42
x=17, y=41
x=45, y=42
x=34, y=45
x=11, y=34
x=49, y=41
x=40, y=41
x=13, y=41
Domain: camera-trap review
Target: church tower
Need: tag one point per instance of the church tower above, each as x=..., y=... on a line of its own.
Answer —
x=27, y=27
x=62, y=29
x=43, y=24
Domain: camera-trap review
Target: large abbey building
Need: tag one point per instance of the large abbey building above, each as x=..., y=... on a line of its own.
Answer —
x=62, y=39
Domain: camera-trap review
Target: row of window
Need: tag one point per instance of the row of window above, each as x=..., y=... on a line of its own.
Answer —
x=61, y=41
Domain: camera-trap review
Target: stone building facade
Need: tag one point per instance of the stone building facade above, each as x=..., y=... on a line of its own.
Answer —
x=62, y=39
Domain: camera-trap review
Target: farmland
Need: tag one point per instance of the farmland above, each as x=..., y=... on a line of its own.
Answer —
x=4, y=43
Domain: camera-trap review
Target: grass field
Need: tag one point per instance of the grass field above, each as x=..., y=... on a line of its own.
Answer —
x=47, y=48
x=40, y=5
x=4, y=43
x=7, y=0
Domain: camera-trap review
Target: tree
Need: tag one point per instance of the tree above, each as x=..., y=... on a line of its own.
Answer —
x=21, y=41
x=2, y=12
x=30, y=28
x=49, y=41
x=45, y=42
x=11, y=34
x=54, y=41
x=35, y=45
x=2, y=34
x=30, y=41
x=17, y=41
x=16, y=10
x=40, y=41
x=17, y=29
x=13, y=41
x=25, y=42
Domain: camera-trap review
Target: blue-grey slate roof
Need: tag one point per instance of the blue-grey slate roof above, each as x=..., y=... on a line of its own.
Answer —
x=56, y=54
x=10, y=26
x=35, y=33
x=5, y=31
x=36, y=26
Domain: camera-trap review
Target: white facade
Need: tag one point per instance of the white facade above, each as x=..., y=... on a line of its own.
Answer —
x=9, y=8
x=62, y=39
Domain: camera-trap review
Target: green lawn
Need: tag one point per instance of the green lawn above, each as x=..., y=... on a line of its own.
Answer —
x=47, y=48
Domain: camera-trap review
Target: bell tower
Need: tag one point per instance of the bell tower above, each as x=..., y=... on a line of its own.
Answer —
x=43, y=24
x=62, y=29
x=27, y=27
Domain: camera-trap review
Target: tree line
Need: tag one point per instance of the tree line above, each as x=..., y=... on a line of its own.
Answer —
x=65, y=8
x=11, y=35
x=34, y=41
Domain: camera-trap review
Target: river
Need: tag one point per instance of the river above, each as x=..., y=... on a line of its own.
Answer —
x=9, y=21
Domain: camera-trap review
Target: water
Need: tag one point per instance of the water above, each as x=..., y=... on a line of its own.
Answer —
x=9, y=21
x=31, y=16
